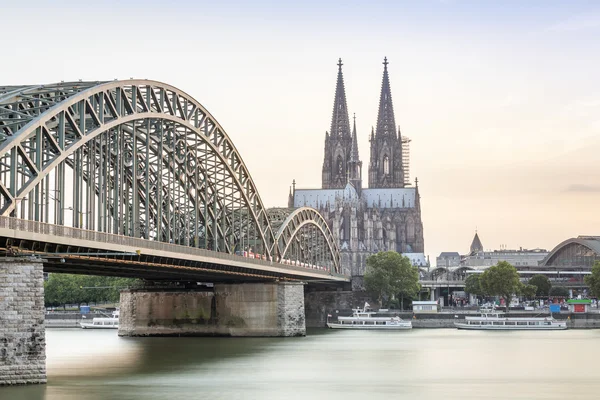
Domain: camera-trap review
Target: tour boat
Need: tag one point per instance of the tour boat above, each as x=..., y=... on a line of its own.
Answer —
x=493, y=320
x=363, y=319
x=111, y=322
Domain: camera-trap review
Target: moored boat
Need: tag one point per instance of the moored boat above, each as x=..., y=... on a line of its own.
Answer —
x=111, y=322
x=493, y=320
x=363, y=319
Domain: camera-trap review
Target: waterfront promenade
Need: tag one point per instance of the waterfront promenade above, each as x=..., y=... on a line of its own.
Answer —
x=444, y=319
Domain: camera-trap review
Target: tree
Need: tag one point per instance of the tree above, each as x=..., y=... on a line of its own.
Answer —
x=558, y=291
x=62, y=289
x=593, y=280
x=473, y=285
x=528, y=291
x=390, y=274
x=542, y=283
x=501, y=280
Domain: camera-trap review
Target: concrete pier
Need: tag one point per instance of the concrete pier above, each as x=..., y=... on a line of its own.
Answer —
x=249, y=309
x=22, y=339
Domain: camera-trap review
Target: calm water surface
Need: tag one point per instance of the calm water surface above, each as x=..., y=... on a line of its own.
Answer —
x=419, y=364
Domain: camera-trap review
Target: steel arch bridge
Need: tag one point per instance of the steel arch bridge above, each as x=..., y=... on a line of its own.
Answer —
x=141, y=159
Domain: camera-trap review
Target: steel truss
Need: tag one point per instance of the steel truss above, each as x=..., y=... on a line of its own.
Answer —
x=304, y=237
x=136, y=158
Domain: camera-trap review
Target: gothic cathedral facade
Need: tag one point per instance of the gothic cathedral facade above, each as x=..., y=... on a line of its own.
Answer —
x=384, y=216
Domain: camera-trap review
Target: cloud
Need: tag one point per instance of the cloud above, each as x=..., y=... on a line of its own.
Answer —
x=577, y=23
x=583, y=188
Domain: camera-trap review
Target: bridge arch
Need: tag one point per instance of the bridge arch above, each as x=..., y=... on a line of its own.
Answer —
x=460, y=273
x=138, y=158
x=438, y=273
x=305, y=234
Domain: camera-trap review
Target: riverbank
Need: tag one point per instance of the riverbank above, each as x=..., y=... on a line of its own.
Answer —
x=64, y=320
x=446, y=319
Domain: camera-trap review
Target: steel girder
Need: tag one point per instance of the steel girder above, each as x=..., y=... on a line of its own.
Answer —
x=304, y=235
x=143, y=158
x=137, y=158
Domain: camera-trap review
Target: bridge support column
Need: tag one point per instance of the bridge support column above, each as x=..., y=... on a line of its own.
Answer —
x=250, y=309
x=22, y=336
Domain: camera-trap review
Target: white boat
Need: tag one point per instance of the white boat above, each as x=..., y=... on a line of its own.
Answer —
x=363, y=319
x=111, y=322
x=495, y=321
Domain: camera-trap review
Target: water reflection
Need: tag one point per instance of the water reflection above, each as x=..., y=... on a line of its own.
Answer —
x=421, y=364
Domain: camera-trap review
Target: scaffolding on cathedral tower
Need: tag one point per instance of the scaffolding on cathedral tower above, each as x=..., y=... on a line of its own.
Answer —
x=406, y=159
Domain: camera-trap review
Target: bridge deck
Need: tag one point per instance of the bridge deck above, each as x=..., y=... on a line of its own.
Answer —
x=58, y=246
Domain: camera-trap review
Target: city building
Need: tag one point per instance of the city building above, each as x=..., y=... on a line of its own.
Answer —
x=478, y=257
x=446, y=282
x=384, y=215
x=448, y=259
x=575, y=253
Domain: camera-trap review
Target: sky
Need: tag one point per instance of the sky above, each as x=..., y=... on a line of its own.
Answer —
x=501, y=99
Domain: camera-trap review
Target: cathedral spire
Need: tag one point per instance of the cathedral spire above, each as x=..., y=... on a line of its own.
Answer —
x=385, y=166
x=340, y=123
x=354, y=149
x=355, y=165
x=339, y=141
x=386, y=123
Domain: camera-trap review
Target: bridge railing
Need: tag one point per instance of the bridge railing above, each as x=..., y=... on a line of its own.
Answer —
x=137, y=243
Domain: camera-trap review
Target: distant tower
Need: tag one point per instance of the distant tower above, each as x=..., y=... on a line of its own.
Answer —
x=338, y=141
x=291, y=195
x=385, y=167
x=355, y=165
x=290, y=199
x=476, y=245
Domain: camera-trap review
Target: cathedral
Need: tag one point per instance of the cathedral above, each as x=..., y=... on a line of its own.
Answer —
x=385, y=215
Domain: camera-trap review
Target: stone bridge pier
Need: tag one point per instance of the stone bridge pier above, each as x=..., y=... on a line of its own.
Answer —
x=246, y=309
x=22, y=338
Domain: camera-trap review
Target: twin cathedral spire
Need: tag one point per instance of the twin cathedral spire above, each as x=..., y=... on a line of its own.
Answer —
x=342, y=163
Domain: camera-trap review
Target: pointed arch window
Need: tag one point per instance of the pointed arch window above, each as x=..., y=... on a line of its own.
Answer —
x=340, y=165
x=410, y=229
x=386, y=165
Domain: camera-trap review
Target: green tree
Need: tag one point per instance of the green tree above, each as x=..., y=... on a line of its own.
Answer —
x=542, y=283
x=559, y=291
x=62, y=289
x=528, y=291
x=501, y=280
x=473, y=285
x=390, y=274
x=593, y=280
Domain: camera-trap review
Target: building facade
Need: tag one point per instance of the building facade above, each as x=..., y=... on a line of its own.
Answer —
x=384, y=216
x=478, y=257
x=448, y=259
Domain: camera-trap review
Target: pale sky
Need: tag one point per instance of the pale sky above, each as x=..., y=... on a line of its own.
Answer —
x=501, y=100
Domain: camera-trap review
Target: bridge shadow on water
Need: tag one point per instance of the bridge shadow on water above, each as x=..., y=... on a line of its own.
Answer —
x=90, y=365
x=180, y=353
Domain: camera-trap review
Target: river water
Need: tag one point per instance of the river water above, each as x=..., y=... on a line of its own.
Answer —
x=418, y=364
